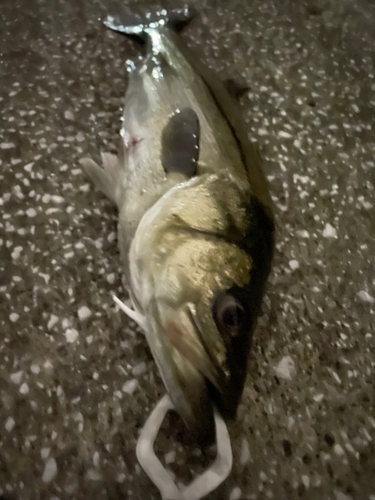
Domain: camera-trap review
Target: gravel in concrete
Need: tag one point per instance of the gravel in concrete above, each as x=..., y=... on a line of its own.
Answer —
x=76, y=380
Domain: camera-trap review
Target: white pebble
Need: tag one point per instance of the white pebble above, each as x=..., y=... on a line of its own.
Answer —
x=31, y=212
x=235, y=494
x=51, y=210
x=170, y=457
x=16, y=253
x=68, y=115
x=366, y=205
x=120, y=477
x=57, y=199
x=47, y=364
x=306, y=481
x=50, y=470
x=111, y=278
x=118, y=394
x=285, y=368
x=294, y=264
x=44, y=452
x=301, y=178
x=29, y=167
x=245, y=452
x=338, y=450
x=14, y=317
x=71, y=335
x=303, y=233
x=93, y=475
x=9, y=424
x=24, y=389
x=16, y=377
x=130, y=386
x=318, y=398
x=66, y=323
x=96, y=459
x=284, y=135
x=366, y=433
x=342, y=496
x=366, y=297
x=84, y=313
x=262, y=476
x=52, y=321
x=111, y=237
x=334, y=375
x=329, y=231
x=46, y=277
x=139, y=369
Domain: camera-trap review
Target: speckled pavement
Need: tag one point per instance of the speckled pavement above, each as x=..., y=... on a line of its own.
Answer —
x=77, y=381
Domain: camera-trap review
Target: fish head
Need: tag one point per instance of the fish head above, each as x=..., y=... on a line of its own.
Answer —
x=209, y=263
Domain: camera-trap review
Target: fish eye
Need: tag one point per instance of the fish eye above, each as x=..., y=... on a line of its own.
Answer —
x=228, y=314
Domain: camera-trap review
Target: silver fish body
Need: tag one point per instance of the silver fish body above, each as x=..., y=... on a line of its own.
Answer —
x=195, y=221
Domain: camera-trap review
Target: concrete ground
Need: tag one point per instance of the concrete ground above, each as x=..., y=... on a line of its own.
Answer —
x=76, y=381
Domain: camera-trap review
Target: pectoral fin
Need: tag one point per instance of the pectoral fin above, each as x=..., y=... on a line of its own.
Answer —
x=107, y=179
x=180, y=143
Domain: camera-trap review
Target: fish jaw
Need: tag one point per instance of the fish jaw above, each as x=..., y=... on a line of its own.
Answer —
x=199, y=371
x=180, y=366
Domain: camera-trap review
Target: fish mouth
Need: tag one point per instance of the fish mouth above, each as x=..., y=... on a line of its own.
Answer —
x=189, y=371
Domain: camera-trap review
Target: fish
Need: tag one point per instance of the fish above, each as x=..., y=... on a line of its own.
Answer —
x=196, y=227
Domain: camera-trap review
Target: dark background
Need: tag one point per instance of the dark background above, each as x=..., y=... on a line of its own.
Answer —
x=306, y=424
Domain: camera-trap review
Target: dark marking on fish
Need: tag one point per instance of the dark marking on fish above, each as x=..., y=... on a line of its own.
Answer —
x=180, y=143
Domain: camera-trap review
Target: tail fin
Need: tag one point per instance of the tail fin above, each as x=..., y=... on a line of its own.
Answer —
x=136, y=25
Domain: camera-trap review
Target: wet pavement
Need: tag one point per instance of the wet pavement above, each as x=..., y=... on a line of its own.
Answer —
x=77, y=381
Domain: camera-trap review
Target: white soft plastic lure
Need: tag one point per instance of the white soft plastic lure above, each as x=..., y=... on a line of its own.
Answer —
x=203, y=484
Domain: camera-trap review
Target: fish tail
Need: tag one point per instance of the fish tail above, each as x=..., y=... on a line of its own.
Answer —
x=138, y=26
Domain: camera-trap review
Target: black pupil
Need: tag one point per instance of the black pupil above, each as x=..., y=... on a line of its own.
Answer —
x=231, y=316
